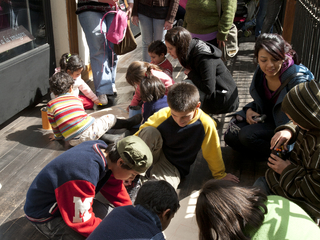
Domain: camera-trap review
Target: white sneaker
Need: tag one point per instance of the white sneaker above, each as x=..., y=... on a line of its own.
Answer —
x=103, y=99
x=114, y=88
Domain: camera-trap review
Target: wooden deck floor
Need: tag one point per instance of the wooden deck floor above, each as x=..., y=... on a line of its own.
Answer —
x=25, y=147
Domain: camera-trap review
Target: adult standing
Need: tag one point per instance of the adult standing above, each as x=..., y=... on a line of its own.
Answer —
x=277, y=62
x=155, y=18
x=202, y=20
x=272, y=12
x=102, y=58
x=206, y=70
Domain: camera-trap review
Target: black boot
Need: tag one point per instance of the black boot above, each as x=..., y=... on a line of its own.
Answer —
x=109, y=138
x=128, y=123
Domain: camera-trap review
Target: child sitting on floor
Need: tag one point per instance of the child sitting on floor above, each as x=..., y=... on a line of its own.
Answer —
x=298, y=176
x=73, y=65
x=137, y=71
x=157, y=51
x=68, y=119
x=152, y=92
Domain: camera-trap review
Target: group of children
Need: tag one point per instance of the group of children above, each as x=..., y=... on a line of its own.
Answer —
x=173, y=130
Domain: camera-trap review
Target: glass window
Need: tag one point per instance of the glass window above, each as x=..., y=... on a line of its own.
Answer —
x=22, y=27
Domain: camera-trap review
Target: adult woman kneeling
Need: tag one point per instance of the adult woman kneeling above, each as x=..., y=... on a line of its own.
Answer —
x=277, y=62
x=206, y=70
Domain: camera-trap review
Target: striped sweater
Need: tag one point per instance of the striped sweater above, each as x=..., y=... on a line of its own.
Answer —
x=67, y=117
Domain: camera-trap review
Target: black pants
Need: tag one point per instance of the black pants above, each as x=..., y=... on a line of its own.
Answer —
x=253, y=138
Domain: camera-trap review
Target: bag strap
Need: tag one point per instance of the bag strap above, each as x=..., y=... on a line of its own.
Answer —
x=285, y=83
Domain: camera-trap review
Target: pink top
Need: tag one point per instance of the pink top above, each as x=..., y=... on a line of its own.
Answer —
x=79, y=84
x=167, y=81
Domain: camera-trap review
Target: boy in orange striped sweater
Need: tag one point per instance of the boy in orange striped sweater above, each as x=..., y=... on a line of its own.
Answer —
x=68, y=119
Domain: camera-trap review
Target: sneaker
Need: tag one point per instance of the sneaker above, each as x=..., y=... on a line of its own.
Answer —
x=103, y=99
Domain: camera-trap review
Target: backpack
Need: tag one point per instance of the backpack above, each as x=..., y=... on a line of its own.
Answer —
x=118, y=27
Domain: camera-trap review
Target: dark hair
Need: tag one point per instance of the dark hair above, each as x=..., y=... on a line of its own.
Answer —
x=151, y=88
x=157, y=47
x=224, y=209
x=158, y=196
x=183, y=97
x=71, y=62
x=137, y=71
x=180, y=38
x=113, y=155
x=60, y=83
x=276, y=46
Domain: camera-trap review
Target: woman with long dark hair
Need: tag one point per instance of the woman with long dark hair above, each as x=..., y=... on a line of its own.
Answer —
x=204, y=67
x=253, y=127
x=227, y=211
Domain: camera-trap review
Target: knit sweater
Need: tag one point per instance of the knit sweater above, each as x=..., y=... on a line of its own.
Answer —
x=202, y=17
x=182, y=144
x=129, y=222
x=300, y=181
x=284, y=220
x=67, y=116
x=67, y=185
x=79, y=85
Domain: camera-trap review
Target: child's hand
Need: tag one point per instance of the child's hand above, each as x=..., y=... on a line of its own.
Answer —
x=97, y=102
x=52, y=137
x=281, y=138
x=231, y=177
x=277, y=164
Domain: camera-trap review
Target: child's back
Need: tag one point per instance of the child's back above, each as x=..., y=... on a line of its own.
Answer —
x=299, y=181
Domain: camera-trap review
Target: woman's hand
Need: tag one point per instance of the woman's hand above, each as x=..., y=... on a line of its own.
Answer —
x=129, y=10
x=250, y=114
x=221, y=44
x=167, y=25
x=110, y=2
x=277, y=164
x=281, y=138
x=135, y=20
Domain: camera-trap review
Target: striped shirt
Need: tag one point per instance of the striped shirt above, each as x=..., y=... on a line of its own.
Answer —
x=67, y=117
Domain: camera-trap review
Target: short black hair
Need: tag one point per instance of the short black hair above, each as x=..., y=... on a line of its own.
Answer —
x=157, y=47
x=151, y=89
x=183, y=97
x=114, y=156
x=60, y=83
x=158, y=196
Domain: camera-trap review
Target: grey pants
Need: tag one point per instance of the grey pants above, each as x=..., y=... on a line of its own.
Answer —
x=162, y=169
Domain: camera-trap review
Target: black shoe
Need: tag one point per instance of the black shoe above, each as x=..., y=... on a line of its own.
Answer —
x=128, y=123
x=109, y=138
x=134, y=188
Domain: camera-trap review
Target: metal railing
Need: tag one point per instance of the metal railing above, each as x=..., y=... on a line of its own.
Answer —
x=306, y=34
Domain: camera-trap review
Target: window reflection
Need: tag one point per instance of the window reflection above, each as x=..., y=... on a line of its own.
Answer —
x=22, y=27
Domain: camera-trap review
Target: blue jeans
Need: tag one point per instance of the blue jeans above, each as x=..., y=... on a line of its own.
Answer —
x=103, y=60
x=151, y=30
x=260, y=16
x=262, y=184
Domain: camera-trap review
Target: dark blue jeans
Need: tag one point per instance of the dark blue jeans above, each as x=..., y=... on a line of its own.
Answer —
x=57, y=229
x=262, y=184
x=251, y=139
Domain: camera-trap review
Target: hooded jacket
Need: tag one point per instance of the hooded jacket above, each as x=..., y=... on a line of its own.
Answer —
x=300, y=181
x=211, y=76
x=256, y=91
